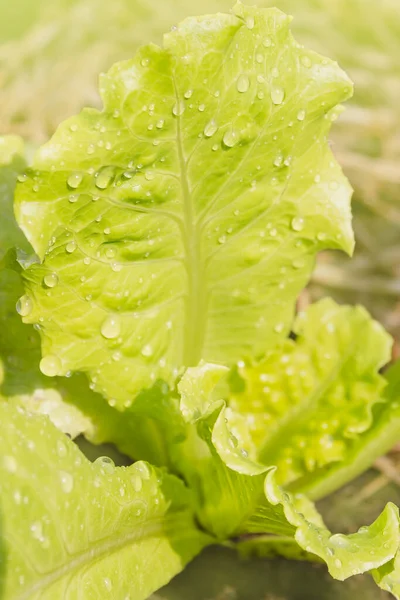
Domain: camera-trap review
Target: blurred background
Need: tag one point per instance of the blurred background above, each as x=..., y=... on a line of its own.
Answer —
x=51, y=53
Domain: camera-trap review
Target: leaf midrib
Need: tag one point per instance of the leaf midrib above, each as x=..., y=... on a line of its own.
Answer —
x=196, y=299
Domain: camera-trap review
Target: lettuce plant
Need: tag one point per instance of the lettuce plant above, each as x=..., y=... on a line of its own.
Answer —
x=167, y=239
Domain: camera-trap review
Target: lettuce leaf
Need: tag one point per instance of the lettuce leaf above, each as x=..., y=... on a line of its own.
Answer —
x=310, y=399
x=265, y=508
x=144, y=432
x=71, y=527
x=181, y=222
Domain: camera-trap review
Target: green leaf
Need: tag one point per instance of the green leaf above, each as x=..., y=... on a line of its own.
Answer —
x=70, y=527
x=12, y=163
x=309, y=400
x=144, y=432
x=381, y=436
x=228, y=486
x=209, y=158
x=263, y=507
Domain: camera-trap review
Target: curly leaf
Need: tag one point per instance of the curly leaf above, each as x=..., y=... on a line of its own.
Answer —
x=181, y=222
x=70, y=527
x=263, y=507
x=363, y=449
x=309, y=400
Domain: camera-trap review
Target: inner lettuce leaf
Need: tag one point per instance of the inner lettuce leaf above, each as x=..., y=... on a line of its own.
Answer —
x=308, y=401
x=181, y=222
x=267, y=509
x=71, y=528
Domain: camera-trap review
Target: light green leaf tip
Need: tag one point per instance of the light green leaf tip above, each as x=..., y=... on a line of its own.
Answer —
x=70, y=528
x=181, y=222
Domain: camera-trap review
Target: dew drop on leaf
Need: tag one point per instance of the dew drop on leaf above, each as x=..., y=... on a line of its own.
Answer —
x=50, y=280
x=178, y=109
x=243, y=83
x=297, y=224
x=61, y=449
x=67, y=482
x=277, y=95
x=306, y=61
x=111, y=327
x=107, y=584
x=24, y=306
x=70, y=247
x=250, y=22
x=301, y=115
x=147, y=350
x=210, y=128
x=230, y=138
x=338, y=563
x=50, y=365
x=137, y=483
x=105, y=463
x=74, y=180
x=104, y=178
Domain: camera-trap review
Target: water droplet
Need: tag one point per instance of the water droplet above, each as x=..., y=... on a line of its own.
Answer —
x=74, y=180
x=67, y=482
x=145, y=62
x=37, y=530
x=105, y=463
x=137, y=483
x=107, y=584
x=61, y=449
x=249, y=22
x=338, y=563
x=147, y=350
x=267, y=42
x=111, y=327
x=279, y=327
x=202, y=107
x=297, y=223
x=210, y=128
x=10, y=464
x=259, y=58
x=24, y=306
x=277, y=95
x=87, y=260
x=306, y=61
x=160, y=124
x=73, y=198
x=178, y=109
x=21, y=178
x=243, y=83
x=70, y=247
x=50, y=365
x=50, y=280
x=230, y=138
x=301, y=115
x=104, y=178
x=188, y=94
